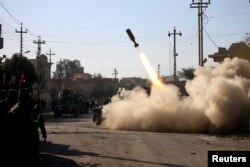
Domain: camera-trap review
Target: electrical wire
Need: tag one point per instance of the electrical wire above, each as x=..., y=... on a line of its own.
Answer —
x=210, y=38
x=9, y=13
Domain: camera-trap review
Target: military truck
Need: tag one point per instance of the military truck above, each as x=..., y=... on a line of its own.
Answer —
x=67, y=104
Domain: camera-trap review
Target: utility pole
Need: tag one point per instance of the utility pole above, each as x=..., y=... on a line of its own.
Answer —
x=50, y=61
x=21, y=39
x=115, y=72
x=170, y=59
x=159, y=69
x=39, y=42
x=200, y=5
x=50, y=54
x=175, y=54
x=1, y=39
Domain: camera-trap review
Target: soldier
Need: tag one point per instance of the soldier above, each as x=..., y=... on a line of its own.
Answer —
x=38, y=117
x=9, y=101
x=2, y=94
x=22, y=134
x=5, y=106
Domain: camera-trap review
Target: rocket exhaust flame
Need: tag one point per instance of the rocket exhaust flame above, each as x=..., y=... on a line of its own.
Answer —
x=150, y=70
x=218, y=102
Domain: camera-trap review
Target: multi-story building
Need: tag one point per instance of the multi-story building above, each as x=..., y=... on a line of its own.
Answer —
x=43, y=69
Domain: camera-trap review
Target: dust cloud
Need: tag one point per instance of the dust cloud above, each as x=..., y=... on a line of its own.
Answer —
x=218, y=102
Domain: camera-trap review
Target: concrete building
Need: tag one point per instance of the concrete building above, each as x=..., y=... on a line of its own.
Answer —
x=131, y=82
x=240, y=50
x=86, y=87
x=82, y=75
x=43, y=68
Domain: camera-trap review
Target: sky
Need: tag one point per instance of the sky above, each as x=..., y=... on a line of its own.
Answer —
x=94, y=31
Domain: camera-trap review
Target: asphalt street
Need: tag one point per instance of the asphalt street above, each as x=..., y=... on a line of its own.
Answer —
x=77, y=142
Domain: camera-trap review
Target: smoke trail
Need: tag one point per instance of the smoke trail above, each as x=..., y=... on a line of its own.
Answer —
x=219, y=102
x=150, y=70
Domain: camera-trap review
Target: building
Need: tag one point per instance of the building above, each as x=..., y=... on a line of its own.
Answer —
x=131, y=82
x=43, y=69
x=82, y=75
x=87, y=87
x=240, y=50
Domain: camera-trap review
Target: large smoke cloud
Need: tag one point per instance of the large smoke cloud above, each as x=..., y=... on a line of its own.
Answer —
x=219, y=102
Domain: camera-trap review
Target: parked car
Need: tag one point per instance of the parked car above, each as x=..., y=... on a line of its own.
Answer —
x=66, y=106
x=97, y=112
x=97, y=115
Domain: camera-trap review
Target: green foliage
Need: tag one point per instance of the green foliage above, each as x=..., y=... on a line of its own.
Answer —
x=66, y=68
x=100, y=90
x=187, y=73
x=98, y=75
x=16, y=66
x=247, y=40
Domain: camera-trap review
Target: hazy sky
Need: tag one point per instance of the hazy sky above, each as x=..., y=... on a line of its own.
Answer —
x=94, y=31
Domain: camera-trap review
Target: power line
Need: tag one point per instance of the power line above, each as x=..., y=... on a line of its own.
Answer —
x=7, y=11
x=12, y=27
x=7, y=24
x=17, y=21
x=10, y=34
x=210, y=38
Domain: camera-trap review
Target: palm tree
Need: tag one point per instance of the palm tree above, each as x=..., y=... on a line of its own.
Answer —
x=187, y=73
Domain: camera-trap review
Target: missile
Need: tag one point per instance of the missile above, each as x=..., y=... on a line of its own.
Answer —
x=132, y=38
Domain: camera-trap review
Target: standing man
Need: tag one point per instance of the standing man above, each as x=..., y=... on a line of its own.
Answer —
x=22, y=133
x=5, y=106
x=38, y=117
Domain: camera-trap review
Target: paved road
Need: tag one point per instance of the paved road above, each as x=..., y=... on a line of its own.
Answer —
x=76, y=142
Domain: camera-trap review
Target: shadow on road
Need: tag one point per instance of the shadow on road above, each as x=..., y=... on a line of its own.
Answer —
x=60, y=149
x=50, y=160
x=54, y=155
x=141, y=161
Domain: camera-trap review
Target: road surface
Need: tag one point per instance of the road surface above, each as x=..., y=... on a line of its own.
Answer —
x=77, y=142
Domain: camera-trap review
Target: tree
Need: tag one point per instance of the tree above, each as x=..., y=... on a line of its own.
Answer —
x=247, y=40
x=66, y=68
x=101, y=90
x=97, y=75
x=19, y=68
x=59, y=73
x=187, y=73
